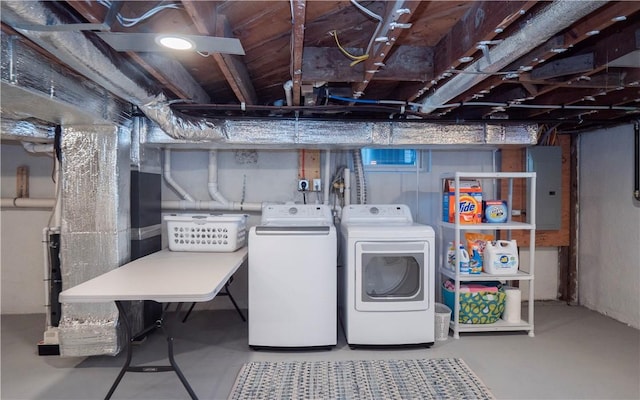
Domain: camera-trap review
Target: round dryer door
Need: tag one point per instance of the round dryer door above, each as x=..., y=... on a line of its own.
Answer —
x=391, y=276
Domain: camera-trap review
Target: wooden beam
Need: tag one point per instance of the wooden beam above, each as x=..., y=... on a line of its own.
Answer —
x=173, y=75
x=566, y=66
x=232, y=66
x=406, y=63
x=234, y=70
x=297, y=38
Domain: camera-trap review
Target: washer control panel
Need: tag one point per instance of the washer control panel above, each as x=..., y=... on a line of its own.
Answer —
x=311, y=212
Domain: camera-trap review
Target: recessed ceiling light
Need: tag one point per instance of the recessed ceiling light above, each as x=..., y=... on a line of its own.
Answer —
x=175, y=42
x=594, y=32
x=465, y=59
x=619, y=18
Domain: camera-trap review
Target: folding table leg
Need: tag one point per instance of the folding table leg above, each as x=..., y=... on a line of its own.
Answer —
x=128, y=335
x=226, y=288
x=162, y=368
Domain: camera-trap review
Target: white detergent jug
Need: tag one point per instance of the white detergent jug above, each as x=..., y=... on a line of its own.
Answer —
x=501, y=257
x=464, y=260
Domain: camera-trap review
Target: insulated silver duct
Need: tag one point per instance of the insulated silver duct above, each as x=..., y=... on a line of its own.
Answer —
x=80, y=54
x=25, y=130
x=557, y=16
x=351, y=134
x=95, y=233
x=36, y=88
x=75, y=50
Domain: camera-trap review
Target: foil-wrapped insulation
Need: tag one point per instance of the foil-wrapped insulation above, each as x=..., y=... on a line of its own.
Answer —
x=351, y=134
x=31, y=131
x=144, y=158
x=95, y=233
x=555, y=17
x=34, y=87
x=80, y=54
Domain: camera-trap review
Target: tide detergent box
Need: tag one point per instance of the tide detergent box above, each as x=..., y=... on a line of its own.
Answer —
x=470, y=202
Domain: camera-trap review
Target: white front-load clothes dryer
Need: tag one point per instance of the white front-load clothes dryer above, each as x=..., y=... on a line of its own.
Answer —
x=293, y=278
x=387, y=280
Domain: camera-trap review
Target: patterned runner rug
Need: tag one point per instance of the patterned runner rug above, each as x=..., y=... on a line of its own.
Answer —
x=447, y=378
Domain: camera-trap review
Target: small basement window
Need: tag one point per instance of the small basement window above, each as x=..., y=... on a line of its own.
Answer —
x=390, y=159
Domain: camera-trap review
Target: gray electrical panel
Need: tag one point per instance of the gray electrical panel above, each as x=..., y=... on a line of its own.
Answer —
x=546, y=162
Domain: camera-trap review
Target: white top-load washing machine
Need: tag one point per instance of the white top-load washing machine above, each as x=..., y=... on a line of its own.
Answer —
x=293, y=277
x=387, y=279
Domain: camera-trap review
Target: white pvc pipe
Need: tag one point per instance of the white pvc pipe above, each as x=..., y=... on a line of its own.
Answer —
x=327, y=176
x=288, y=91
x=27, y=202
x=213, y=179
x=38, y=147
x=347, y=186
x=170, y=182
x=209, y=205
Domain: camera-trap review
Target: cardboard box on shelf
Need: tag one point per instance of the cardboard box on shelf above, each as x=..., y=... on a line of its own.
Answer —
x=470, y=201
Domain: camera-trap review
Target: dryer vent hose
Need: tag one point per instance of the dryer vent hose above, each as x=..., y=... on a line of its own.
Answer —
x=361, y=184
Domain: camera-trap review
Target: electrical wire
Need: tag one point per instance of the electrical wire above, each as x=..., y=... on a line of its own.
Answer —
x=129, y=22
x=365, y=56
x=356, y=59
x=372, y=15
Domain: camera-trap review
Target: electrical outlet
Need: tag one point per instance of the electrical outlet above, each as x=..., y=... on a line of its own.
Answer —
x=303, y=185
x=317, y=185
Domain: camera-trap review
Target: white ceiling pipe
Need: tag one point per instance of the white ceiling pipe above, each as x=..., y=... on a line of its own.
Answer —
x=347, y=186
x=327, y=176
x=557, y=16
x=288, y=91
x=169, y=179
x=27, y=202
x=214, y=192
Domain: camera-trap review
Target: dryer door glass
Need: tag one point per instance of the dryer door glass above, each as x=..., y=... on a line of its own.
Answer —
x=391, y=276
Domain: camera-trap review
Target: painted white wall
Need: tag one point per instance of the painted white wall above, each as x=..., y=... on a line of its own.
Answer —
x=609, y=225
x=22, y=256
x=265, y=175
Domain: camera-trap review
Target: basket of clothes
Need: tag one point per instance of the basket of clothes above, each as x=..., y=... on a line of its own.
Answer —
x=480, y=302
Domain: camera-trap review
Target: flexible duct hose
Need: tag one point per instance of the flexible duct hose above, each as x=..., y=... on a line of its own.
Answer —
x=361, y=184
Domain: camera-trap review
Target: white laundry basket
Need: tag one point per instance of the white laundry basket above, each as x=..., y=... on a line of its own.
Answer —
x=443, y=317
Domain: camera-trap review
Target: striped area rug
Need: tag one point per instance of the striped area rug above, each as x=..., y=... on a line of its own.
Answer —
x=447, y=378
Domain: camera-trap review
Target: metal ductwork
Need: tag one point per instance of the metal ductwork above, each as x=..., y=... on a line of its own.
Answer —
x=169, y=128
x=36, y=91
x=557, y=16
x=80, y=54
x=276, y=133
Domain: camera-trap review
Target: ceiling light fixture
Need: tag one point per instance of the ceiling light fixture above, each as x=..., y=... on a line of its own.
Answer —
x=175, y=42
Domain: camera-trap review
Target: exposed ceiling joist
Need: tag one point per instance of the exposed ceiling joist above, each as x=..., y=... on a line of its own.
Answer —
x=232, y=67
x=297, y=39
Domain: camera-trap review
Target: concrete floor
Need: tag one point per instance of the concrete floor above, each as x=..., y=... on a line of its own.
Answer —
x=575, y=354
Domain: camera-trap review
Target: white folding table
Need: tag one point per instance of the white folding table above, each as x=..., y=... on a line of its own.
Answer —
x=165, y=277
